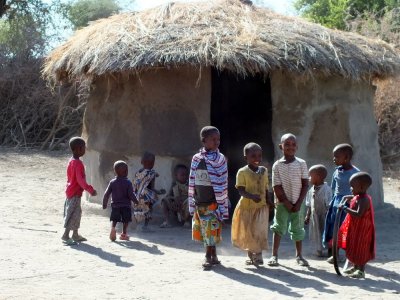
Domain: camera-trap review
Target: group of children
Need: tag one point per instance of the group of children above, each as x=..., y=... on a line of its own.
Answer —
x=201, y=194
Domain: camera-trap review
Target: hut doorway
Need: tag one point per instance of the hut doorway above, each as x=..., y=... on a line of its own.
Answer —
x=241, y=108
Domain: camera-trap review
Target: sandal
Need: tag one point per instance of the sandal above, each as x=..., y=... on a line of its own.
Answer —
x=357, y=274
x=165, y=225
x=124, y=237
x=79, y=238
x=113, y=234
x=349, y=271
x=273, y=261
x=207, y=263
x=69, y=242
x=301, y=261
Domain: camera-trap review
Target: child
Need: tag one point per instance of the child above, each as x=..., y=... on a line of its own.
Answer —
x=143, y=187
x=76, y=183
x=357, y=233
x=342, y=155
x=250, y=218
x=290, y=184
x=317, y=202
x=177, y=199
x=208, y=193
x=121, y=191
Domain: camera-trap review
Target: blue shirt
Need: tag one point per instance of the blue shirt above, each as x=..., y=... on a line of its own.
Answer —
x=341, y=181
x=121, y=191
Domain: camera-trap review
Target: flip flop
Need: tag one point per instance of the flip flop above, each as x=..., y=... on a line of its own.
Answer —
x=273, y=261
x=124, y=237
x=357, y=274
x=69, y=242
x=301, y=261
x=79, y=238
x=207, y=264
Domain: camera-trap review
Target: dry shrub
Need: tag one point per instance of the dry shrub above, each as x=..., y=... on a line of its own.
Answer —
x=387, y=101
x=33, y=115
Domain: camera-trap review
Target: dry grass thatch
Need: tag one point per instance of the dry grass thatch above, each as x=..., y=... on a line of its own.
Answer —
x=225, y=34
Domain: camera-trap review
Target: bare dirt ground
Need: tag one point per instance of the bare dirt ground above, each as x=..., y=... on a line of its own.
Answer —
x=162, y=264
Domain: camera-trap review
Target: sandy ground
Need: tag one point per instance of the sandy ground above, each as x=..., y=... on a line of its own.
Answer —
x=162, y=264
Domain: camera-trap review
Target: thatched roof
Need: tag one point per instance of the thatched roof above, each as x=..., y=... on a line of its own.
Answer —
x=225, y=34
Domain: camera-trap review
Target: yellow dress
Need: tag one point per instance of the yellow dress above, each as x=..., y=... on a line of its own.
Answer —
x=250, y=219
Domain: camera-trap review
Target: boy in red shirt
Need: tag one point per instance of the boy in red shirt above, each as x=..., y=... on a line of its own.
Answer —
x=76, y=184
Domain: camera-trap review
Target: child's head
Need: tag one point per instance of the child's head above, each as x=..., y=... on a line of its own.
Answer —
x=148, y=160
x=121, y=168
x=317, y=174
x=360, y=182
x=181, y=173
x=288, y=144
x=342, y=154
x=78, y=146
x=210, y=137
x=253, y=154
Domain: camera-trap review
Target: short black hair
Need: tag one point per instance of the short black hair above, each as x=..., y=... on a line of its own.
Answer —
x=251, y=146
x=319, y=169
x=119, y=164
x=148, y=156
x=287, y=136
x=207, y=131
x=363, y=177
x=180, y=166
x=75, y=142
x=347, y=148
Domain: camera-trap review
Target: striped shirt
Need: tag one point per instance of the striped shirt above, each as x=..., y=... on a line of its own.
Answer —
x=289, y=176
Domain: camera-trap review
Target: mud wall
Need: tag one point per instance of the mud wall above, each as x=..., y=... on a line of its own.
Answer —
x=161, y=111
x=323, y=113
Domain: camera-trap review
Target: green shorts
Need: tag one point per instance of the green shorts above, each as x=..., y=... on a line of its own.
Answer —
x=295, y=220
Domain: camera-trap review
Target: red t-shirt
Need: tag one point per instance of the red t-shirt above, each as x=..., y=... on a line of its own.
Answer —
x=76, y=179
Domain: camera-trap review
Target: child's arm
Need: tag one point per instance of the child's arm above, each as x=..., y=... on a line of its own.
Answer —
x=303, y=193
x=268, y=200
x=80, y=177
x=362, y=207
x=243, y=193
x=106, y=196
x=280, y=194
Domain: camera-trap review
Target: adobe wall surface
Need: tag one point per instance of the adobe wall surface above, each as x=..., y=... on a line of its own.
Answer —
x=323, y=113
x=160, y=111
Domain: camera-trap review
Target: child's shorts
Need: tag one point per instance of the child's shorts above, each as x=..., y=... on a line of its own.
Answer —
x=121, y=214
x=295, y=220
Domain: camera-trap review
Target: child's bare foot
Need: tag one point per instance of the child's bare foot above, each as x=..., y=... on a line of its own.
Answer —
x=78, y=238
x=65, y=237
x=215, y=261
x=113, y=234
x=207, y=264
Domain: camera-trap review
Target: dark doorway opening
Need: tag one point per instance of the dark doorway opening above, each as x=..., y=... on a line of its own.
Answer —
x=241, y=108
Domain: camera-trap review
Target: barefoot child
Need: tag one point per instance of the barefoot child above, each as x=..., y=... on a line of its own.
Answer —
x=208, y=193
x=342, y=155
x=121, y=191
x=290, y=184
x=250, y=218
x=317, y=201
x=143, y=187
x=177, y=199
x=76, y=184
x=357, y=233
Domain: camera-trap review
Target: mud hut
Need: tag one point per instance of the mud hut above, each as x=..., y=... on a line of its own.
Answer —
x=157, y=76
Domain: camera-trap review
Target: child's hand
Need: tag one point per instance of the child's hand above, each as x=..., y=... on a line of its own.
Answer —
x=104, y=206
x=256, y=198
x=296, y=207
x=94, y=193
x=307, y=220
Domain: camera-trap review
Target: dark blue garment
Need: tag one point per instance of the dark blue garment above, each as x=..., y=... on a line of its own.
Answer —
x=121, y=191
x=340, y=187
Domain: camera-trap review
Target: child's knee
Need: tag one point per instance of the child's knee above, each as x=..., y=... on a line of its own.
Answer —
x=279, y=229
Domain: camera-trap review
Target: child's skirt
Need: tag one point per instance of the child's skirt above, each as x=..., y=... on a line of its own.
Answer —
x=206, y=227
x=250, y=228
